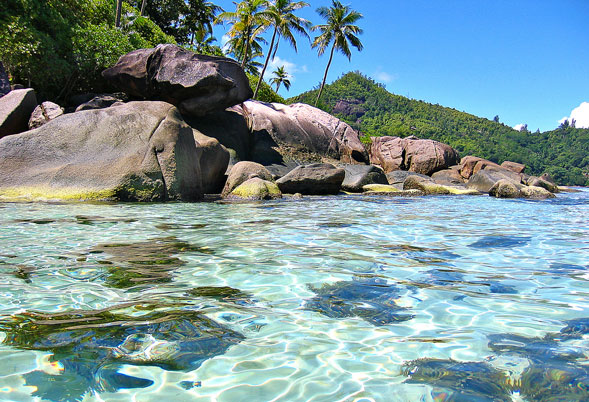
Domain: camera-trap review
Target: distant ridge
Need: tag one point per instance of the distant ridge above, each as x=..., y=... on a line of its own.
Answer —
x=370, y=108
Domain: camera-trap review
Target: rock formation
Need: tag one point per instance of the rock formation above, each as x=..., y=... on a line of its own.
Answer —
x=197, y=84
x=15, y=110
x=412, y=154
x=140, y=151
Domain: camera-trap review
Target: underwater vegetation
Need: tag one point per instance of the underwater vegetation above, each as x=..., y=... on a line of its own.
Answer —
x=222, y=293
x=370, y=299
x=149, y=262
x=89, y=347
x=556, y=371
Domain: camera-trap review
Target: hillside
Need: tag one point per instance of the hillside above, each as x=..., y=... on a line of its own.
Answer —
x=368, y=107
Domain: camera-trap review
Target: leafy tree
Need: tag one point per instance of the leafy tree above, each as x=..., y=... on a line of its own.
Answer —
x=280, y=77
x=339, y=30
x=60, y=47
x=285, y=22
x=249, y=20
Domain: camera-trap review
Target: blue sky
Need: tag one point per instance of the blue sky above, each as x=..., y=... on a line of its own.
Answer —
x=526, y=61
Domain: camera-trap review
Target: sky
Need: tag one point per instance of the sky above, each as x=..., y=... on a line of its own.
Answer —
x=526, y=61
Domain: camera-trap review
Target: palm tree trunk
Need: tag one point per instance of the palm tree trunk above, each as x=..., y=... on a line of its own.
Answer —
x=142, y=7
x=277, y=86
x=118, y=14
x=266, y=63
x=325, y=76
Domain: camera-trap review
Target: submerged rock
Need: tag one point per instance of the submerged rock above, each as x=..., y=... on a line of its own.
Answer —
x=132, y=265
x=500, y=241
x=197, y=84
x=465, y=381
x=89, y=347
x=372, y=300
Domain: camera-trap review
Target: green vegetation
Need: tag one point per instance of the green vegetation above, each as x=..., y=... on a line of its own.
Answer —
x=370, y=108
x=61, y=47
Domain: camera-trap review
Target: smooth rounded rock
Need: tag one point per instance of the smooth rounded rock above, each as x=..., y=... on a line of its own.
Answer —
x=242, y=172
x=197, y=84
x=256, y=189
x=357, y=176
x=313, y=179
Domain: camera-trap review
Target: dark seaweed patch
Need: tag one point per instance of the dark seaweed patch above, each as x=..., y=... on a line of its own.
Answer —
x=222, y=293
x=373, y=300
x=149, y=262
x=500, y=241
x=91, y=346
x=422, y=255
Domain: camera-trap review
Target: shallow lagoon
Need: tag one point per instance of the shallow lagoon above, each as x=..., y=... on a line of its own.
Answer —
x=320, y=299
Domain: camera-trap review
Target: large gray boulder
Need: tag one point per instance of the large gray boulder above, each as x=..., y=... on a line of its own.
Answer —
x=396, y=178
x=448, y=176
x=256, y=189
x=485, y=179
x=514, y=166
x=300, y=132
x=214, y=160
x=43, y=113
x=15, y=110
x=412, y=153
x=230, y=129
x=357, y=176
x=242, y=172
x=196, y=84
x=140, y=151
x=313, y=179
x=540, y=182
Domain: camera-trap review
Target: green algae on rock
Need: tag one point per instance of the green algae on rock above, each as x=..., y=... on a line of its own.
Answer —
x=90, y=346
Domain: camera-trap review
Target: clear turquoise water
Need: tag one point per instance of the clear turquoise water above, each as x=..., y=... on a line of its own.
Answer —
x=403, y=279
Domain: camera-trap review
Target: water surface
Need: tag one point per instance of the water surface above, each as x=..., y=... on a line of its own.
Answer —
x=321, y=299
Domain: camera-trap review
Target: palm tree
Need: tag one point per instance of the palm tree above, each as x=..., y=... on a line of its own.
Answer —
x=198, y=19
x=285, y=22
x=340, y=30
x=280, y=77
x=249, y=21
x=118, y=13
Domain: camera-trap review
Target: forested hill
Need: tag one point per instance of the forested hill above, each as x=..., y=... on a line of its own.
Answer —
x=368, y=107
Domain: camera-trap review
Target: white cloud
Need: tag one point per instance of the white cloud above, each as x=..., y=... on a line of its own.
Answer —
x=519, y=127
x=290, y=67
x=580, y=114
x=384, y=77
